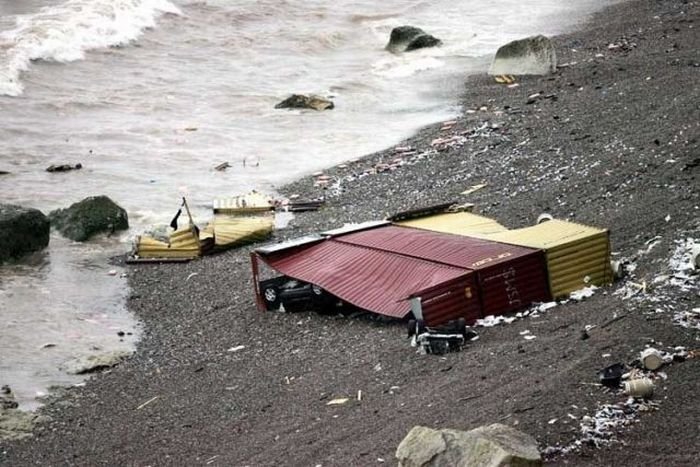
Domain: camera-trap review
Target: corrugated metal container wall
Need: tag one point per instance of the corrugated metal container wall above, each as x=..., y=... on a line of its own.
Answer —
x=371, y=279
x=513, y=285
x=510, y=277
x=451, y=300
x=577, y=255
x=459, y=223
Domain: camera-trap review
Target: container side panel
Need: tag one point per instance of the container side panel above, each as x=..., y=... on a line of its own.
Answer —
x=451, y=300
x=515, y=285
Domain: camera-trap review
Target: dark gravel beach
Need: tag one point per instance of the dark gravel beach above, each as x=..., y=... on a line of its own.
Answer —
x=610, y=140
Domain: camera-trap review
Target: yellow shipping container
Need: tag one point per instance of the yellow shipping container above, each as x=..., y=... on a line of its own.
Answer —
x=458, y=223
x=577, y=255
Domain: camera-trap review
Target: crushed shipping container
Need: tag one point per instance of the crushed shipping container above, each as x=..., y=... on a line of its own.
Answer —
x=374, y=280
x=509, y=277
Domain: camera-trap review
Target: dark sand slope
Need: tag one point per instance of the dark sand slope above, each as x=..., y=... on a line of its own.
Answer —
x=617, y=148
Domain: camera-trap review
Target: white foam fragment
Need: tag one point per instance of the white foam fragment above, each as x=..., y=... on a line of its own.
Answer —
x=582, y=294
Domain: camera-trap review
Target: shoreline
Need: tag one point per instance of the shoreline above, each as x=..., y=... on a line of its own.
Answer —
x=597, y=162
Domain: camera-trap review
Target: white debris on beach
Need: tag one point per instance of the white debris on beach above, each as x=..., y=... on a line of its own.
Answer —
x=582, y=294
x=601, y=428
x=532, y=312
x=408, y=155
x=681, y=275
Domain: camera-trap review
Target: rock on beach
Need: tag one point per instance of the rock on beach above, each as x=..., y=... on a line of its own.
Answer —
x=494, y=445
x=530, y=56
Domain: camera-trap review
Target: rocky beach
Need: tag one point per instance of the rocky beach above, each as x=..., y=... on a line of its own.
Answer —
x=610, y=140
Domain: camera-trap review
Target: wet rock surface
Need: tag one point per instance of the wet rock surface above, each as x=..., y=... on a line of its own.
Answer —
x=408, y=38
x=94, y=363
x=91, y=216
x=300, y=101
x=22, y=231
x=494, y=445
x=530, y=56
x=586, y=156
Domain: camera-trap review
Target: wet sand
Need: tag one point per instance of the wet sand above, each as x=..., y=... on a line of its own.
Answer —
x=614, y=145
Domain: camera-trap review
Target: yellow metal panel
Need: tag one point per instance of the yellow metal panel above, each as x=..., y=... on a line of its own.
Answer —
x=244, y=204
x=547, y=234
x=230, y=231
x=183, y=244
x=458, y=223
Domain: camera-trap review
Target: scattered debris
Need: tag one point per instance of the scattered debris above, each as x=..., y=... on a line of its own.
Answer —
x=439, y=340
x=651, y=359
x=586, y=292
x=611, y=376
x=544, y=217
x=236, y=348
x=296, y=205
x=505, y=79
x=237, y=221
x=339, y=401
x=680, y=276
x=639, y=388
x=474, y=188
x=223, y=166
x=152, y=399
x=64, y=167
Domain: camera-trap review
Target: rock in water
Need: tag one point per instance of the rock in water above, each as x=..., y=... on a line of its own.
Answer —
x=530, y=56
x=300, y=101
x=93, y=363
x=88, y=217
x=16, y=424
x=408, y=38
x=22, y=230
x=64, y=167
x=488, y=446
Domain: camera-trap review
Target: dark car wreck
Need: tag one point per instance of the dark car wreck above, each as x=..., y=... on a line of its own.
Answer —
x=287, y=294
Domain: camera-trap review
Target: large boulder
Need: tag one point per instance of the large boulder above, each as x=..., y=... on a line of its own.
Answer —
x=300, y=101
x=22, y=230
x=88, y=217
x=530, y=56
x=488, y=446
x=408, y=38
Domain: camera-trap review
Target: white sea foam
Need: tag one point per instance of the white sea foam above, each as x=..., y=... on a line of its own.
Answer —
x=65, y=32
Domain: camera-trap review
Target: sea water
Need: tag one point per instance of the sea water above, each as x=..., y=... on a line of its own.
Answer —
x=150, y=95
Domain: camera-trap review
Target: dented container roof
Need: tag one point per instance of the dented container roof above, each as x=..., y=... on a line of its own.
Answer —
x=459, y=223
x=454, y=250
x=371, y=279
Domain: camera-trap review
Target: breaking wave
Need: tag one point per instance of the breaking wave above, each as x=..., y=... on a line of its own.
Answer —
x=63, y=33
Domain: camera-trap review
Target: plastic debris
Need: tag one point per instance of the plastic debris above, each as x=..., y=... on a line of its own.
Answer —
x=339, y=401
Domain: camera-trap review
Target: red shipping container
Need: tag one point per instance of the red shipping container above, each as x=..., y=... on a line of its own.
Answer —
x=509, y=277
